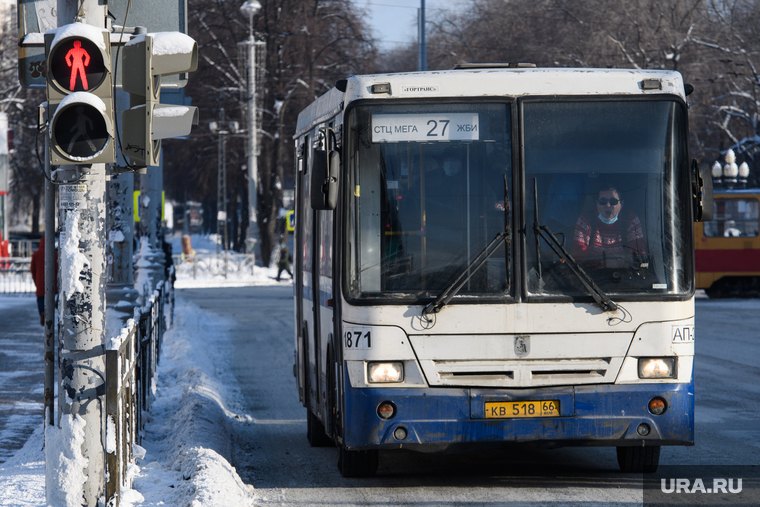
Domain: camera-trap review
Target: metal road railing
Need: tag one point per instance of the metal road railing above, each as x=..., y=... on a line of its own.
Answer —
x=15, y=276
x=131, y=362
x=223, y=264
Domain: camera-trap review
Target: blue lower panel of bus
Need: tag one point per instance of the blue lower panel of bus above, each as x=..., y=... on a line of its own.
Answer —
x=434, y=419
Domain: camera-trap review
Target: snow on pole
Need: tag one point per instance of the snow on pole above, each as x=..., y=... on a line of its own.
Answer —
x=72, y=259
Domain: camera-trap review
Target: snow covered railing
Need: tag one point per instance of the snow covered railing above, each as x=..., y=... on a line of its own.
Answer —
x=121, y=410
x=15, y=276
x=222, y=264
x=131, y=362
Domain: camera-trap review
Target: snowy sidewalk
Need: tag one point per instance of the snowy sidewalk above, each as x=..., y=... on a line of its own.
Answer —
x=187, y=436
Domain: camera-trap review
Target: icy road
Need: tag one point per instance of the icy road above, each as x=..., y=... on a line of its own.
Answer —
x=272, y=454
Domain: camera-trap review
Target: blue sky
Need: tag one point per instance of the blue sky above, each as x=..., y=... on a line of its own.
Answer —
x=394, y=22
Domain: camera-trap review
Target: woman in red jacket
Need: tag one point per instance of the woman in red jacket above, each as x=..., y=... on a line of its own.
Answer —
x=609, y=236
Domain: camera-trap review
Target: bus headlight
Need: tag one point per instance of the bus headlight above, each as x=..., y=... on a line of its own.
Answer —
x=382, y=373
x=657, y=367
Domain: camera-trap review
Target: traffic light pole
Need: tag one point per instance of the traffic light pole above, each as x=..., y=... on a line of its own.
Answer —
x=50, y=279
x=82, y=328
x=82, y=291
x=120, y=232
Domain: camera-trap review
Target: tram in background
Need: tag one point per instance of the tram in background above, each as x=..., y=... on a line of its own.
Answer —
x=439, y=305
x=728, y=247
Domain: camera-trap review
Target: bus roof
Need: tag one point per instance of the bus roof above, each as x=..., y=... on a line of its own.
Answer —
x=493, y=82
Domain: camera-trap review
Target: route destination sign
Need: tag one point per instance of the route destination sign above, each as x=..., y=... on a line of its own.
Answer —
x=394, y=128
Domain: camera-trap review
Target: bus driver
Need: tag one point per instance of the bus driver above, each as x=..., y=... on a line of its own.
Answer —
x=600, y=238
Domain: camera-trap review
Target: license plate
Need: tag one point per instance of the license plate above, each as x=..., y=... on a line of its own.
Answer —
x=514, y=409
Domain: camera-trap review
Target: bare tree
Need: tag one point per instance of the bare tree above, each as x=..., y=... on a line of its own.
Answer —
x=310, y=45
x=713, y=43
x=734, y=48
x=26, y=173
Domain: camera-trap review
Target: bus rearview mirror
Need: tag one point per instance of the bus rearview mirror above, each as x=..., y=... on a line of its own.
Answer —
x=703, y=194
x=324, y=179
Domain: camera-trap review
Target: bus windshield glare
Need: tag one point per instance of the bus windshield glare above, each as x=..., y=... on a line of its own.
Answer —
x=427, y=191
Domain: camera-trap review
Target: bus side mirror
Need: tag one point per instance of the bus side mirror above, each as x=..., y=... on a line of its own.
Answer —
x=324, y=179
x=702, y=192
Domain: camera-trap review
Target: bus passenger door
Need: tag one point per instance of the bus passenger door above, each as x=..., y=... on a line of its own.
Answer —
x=302, y=207
x=309, y=282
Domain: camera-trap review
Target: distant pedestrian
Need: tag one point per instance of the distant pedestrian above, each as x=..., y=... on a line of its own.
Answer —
x=38, y=275
x=5, y=251
x=283, y=264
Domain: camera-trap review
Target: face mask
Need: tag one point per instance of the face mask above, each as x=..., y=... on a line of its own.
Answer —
x=608, y=222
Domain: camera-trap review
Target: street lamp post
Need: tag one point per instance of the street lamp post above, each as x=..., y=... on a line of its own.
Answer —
x=250, y=8
x=422, y=45
x=729, y=174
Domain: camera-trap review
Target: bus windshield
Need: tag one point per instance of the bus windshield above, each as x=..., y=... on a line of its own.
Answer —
x=427, y=186
x=611, y=183
x=430, y=186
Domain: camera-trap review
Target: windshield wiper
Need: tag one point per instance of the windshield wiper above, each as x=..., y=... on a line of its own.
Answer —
x=469, y=271
x=604, y=302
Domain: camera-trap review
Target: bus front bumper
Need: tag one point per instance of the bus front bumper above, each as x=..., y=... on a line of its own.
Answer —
x=435, y=419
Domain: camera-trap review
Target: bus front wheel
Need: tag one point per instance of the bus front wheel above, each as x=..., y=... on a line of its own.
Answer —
x=357, y=463
x=638, y=459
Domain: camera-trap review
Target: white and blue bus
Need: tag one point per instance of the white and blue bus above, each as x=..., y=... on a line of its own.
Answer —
x=497, y=255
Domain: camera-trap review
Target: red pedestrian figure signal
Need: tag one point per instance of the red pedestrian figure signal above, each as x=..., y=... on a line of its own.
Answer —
x=77, y=65
x=78, y=58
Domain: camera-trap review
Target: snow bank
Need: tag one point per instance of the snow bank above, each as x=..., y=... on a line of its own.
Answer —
x=63, y=453
x=22, y=478
x=207, y=271
x=187, y=437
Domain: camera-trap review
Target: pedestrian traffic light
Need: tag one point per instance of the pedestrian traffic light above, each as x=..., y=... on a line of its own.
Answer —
x=146, y=58
x=79, y=94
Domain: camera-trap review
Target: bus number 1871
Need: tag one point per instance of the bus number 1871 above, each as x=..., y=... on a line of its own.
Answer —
x=358, y=340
